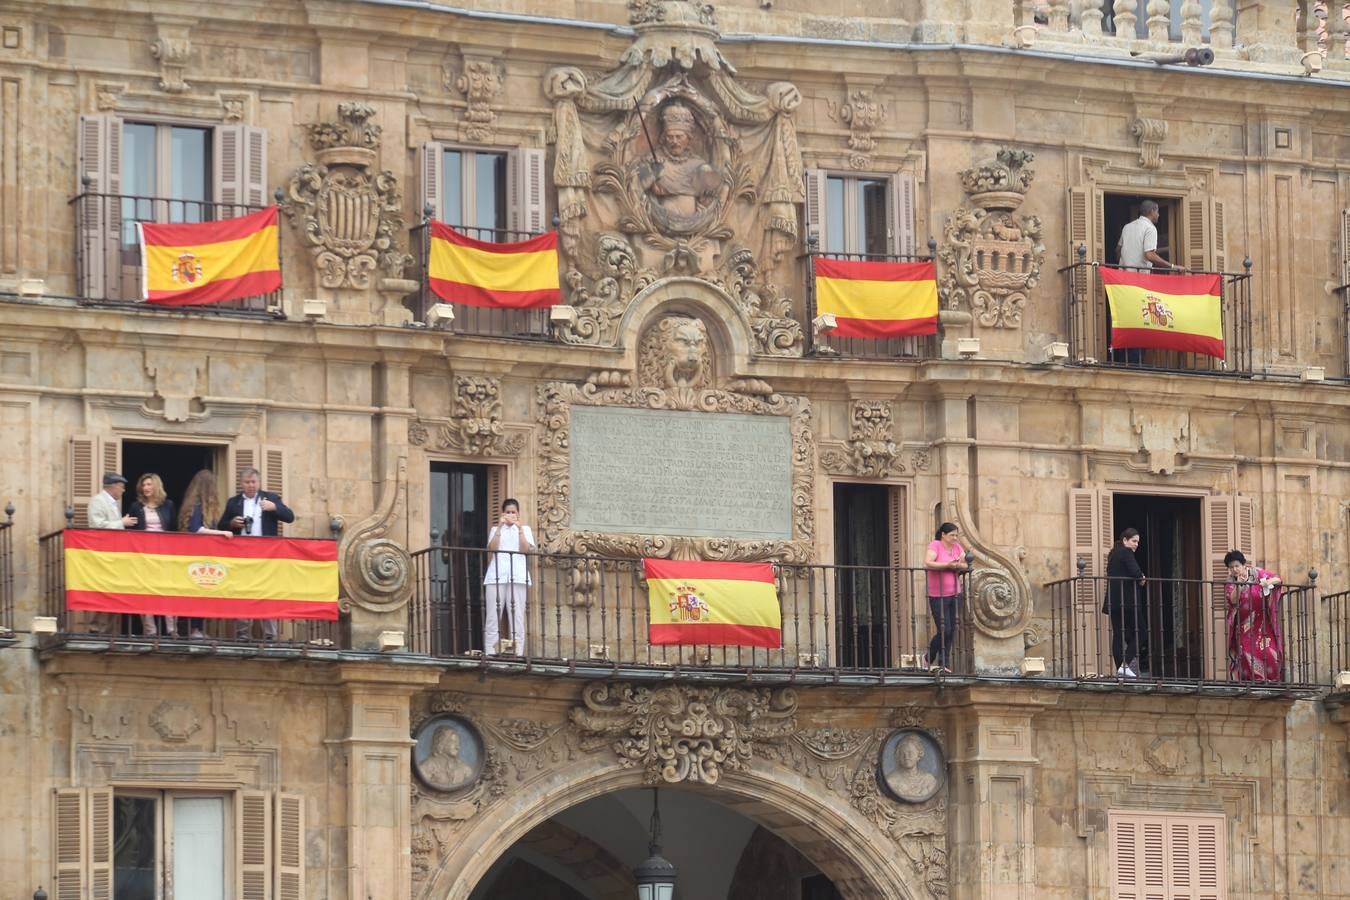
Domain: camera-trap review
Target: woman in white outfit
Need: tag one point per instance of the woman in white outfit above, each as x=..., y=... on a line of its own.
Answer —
x=508, y=576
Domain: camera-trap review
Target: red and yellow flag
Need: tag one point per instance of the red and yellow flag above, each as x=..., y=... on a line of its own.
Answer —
x=207, y=262
x=878, y=299
x=733, y=604
x=520, y=275
x=177, y=574
x=1166, y=312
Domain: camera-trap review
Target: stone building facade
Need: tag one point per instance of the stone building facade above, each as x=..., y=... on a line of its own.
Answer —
x=684, y=401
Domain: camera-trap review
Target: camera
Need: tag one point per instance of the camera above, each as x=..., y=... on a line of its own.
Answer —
x=248, y=524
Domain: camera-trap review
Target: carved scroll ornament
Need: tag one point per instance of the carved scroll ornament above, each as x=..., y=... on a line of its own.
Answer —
x=1000, y=596
x=871, y=450
x=683, y=733
x=376, y=571
x=475, y=427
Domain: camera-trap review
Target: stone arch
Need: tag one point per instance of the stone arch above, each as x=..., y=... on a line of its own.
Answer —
x=859, y=858
x=728, y=328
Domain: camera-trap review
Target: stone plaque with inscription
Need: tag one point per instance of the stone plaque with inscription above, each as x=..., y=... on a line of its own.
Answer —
x=645, y=471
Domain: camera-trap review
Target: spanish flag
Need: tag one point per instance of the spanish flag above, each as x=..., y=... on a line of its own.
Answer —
x=520, y=275
x=732, y=604
x=207, y=262
x=177, y=574
x=1165, y=312
x=878, y=299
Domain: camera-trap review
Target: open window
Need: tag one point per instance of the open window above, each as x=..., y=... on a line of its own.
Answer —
x=493, y=195
x=868, y=215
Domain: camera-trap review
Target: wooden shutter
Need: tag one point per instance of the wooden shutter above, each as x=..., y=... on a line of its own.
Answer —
x=496, y=493
x=1220, y=239
x=83, y=481
x=1087, y=324
x=1219, y=539
x=68, y=850
x=290, y=847
x=100, y=172
x=240, y=163
x=433, y=171
x=243, y=458
x=1345, y=249
x=902, y=590
x=813, y=210
x=1177, y=856
x=1087, y=509
x=274, y=475
x=1211, y=882
x=525, y=189
x=1199, y=257
x=253, y=837
x=904, y=240
x=100, y=844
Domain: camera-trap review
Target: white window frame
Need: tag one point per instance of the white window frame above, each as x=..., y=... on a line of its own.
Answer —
x=164, y=841
x=900, y=215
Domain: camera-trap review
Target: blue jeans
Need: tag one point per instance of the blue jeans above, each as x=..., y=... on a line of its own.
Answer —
x=943, y=611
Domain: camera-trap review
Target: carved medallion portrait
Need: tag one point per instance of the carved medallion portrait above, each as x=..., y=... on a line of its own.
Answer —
x=912, y=766
x=448, y=755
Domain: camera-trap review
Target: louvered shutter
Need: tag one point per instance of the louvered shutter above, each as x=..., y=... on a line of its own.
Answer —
x=1197, y=240
x=290, y=847
x=110, y=454
x=253, y=837
x=813, y=210
x=1219, y=239
x=525, y=188
x=244, y=457
x=1086, y=528
x=82, y=481
x=432, y=172
x=274, y=475
x=1152, y=865
x=68, y=833
x=904, y=239
x=1345, y=249
x=1158, y=856
x=100, y=844
x=1219, y=539
x=240, y=163
x=496, y=493
x=1211, y=881
x=1087, y=324
x=902, y=592
x=100, y=165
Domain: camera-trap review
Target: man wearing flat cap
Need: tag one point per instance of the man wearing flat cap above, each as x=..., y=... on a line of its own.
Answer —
x=105, y=511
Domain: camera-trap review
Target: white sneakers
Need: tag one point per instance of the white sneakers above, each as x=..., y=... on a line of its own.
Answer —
x=1126, y=672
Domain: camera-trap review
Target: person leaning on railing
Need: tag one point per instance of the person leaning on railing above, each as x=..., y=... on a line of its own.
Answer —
x=945, y=562
x=1121, y=604
x=201, y=504
x=1255, y=646
x=105, y=511
x=154, y=512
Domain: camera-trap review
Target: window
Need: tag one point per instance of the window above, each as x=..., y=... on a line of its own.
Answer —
x=861, y=214
x=168, y=838
x=500, y=192
x=1168, y=856
x=172, y=162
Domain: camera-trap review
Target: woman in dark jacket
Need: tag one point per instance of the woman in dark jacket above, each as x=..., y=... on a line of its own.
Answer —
x=154, y=512
x=1123, y=601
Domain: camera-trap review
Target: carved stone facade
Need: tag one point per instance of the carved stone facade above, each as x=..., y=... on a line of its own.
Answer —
x=475, y=427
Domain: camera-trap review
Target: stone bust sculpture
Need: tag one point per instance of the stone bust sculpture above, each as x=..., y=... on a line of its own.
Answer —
x=443, y=767
x=907, y=781
x=680, y=184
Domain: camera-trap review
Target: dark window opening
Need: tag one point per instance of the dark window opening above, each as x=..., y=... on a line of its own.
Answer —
x=862, y=533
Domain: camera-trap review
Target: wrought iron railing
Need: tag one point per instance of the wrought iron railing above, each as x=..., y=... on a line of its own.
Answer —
x=596, y=610
x=1177, y=630
x=1089, y=326
x=129, y=626
x=522, y=324
x=1337, y=635
x=824, y=344
x=108, y=263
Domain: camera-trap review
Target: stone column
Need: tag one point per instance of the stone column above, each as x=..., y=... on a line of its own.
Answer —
x=993, y=766
x=376, y=749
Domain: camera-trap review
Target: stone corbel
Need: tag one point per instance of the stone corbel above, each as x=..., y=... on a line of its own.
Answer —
x=172, y=47
x=480, y=80
x=1150, y=133
x=999, y=594
x=861, y=112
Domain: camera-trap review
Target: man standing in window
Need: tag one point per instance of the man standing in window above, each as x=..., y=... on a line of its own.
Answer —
x=105, y=511
x=254, y=513
x=1137, y=249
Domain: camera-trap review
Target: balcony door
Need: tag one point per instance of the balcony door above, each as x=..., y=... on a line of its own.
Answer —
x=872, y=611
x=464, y=500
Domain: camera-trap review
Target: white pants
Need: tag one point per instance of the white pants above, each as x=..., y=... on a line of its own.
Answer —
x=508, y=597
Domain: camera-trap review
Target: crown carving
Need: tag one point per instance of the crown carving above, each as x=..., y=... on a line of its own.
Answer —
x=353, y=129
x=1002, y=182
x=672, y=13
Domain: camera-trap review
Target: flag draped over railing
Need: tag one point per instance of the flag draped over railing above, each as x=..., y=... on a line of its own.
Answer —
x=172, y=574
x=876, y=299
x=726, y=603
x=517, y=275
x=210, y=262
x=1165, y=312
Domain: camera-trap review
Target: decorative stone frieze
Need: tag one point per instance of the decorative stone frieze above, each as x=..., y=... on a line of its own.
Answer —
x=861, y=113
x=683, y=733
x=990, y=257
x=480, y=81
x=871, y=450
x=175, y=722
x=475, y=427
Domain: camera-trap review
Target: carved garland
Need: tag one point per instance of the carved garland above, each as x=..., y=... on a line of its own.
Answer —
x=556, y=400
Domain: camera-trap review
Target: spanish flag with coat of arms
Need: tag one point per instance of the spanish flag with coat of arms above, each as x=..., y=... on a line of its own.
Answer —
x=726, y=603
x=1165, y=312
x=209, y=262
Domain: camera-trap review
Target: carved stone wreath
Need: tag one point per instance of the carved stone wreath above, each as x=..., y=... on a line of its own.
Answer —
x=681, y=733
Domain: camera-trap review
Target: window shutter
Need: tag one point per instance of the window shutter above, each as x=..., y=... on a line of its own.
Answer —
x=68, y=837
x=1087, y=507
x=290, y=837
x=80, y=477
x=244, y=458
x=433, y=171
x=274, y=475
x=1152, y=864
x=253, y=830
x=1218, y=541
x=526, y=190
x=1244, y=526
x=1220, y=240
x=1345, y=247
x=111, y=455
x=496, y=493
x=100, y=162
x=1198, y=257
x=1085, y=227
x=1157, y=856
x=904, y=240
x=1124, y=860
x=240, y=162
x=902, y=588
x=813, y=210
x=100, y=844
x=1210, y=871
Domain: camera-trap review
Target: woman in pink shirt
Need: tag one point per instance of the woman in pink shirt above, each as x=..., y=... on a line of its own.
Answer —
x=945, y=561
